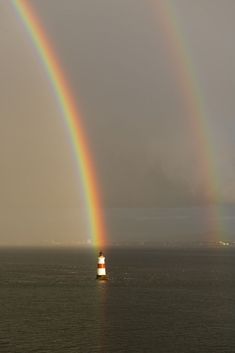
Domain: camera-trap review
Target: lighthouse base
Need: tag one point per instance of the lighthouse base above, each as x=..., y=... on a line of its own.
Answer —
x=102, y=277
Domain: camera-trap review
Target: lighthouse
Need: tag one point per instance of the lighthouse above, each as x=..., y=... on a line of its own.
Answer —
x=101, y=270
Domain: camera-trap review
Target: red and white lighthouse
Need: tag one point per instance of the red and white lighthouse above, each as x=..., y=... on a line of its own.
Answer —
x=101, y=269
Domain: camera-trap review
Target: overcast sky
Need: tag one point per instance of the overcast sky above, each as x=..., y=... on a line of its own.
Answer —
x=114, y=54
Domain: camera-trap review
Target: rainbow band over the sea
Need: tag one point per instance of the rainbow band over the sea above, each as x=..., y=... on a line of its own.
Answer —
x=72, y=117
x=194, y=106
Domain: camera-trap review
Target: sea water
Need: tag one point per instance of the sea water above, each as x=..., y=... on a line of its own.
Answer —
x=156, y=300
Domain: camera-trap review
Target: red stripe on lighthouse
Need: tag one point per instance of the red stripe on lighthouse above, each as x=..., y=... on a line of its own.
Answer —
x=101, y=265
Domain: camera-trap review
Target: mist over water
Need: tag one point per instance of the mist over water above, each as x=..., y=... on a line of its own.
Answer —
x=162, y=226
x=165, y=301
x=125, y=226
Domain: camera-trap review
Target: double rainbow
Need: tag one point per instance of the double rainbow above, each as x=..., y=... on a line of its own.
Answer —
x=192, y=98
x=72, y=118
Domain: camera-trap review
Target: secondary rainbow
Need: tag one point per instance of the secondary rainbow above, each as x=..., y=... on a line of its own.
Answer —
x=72, y=117
x=194, y=107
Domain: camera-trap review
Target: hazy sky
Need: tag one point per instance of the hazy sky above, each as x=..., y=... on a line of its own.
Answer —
x=116, y=58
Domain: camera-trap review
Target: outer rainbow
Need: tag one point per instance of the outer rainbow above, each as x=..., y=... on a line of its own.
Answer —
x=71, y=116
x=194, y=107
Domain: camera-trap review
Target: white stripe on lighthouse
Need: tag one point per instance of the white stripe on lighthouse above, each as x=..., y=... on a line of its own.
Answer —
x=101, y=272
x=101, y=260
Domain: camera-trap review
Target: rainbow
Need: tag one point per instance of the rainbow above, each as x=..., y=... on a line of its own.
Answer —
x=72, y=118
x=194, y=107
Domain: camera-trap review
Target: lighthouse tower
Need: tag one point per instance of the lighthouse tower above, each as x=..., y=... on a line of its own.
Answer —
x=101, y=270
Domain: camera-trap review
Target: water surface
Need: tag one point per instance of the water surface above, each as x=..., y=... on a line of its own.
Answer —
x=166, y=301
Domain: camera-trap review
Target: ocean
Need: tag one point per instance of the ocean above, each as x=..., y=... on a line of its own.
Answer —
x=156, y=300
